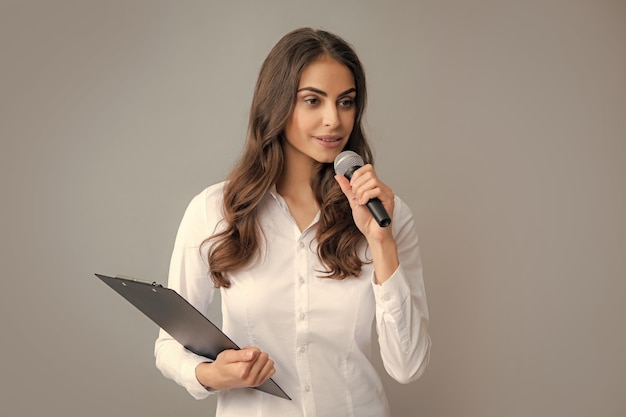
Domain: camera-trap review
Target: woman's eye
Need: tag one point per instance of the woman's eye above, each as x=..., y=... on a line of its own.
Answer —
x=312, y=101
x=348, y=102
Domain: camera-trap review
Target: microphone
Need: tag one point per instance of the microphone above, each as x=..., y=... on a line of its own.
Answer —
x=345, y=164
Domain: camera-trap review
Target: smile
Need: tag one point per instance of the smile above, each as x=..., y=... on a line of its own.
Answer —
x=328, y=138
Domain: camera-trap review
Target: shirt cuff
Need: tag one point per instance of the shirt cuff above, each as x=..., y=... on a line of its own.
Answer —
x=194, y=387
x=391, y=294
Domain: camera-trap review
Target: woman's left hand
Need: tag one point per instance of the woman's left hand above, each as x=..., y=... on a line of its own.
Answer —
x=364, y=186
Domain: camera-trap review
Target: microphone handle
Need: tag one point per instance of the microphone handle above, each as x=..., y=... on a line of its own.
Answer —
x=375, y=206
x=378, y=212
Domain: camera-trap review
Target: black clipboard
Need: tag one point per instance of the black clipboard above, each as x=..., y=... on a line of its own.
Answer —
x=171, y=312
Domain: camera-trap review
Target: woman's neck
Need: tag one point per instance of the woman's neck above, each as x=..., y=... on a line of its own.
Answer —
x=295, y=180
x=294, y=185
x=298, y=171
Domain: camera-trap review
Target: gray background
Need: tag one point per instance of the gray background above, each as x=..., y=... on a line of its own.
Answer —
x=501, y=123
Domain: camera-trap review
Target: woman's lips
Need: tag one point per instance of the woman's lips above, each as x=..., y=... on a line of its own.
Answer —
x=328, y=138
x=330, y=142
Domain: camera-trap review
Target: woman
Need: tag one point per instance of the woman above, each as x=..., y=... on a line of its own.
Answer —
x=302, y=268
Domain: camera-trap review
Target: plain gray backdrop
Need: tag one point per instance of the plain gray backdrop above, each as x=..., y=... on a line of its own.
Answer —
x=501, y=123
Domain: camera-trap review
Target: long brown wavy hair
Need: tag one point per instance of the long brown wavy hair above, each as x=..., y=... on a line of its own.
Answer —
x=261, y=163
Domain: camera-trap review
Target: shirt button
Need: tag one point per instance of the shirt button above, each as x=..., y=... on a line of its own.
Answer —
x=302, y=315
x=301, y=280
x=301, y=245
x=302, y=349
x=307, y=388
x=386, y=297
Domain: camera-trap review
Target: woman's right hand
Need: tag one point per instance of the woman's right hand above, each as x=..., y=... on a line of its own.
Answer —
x=247, y=367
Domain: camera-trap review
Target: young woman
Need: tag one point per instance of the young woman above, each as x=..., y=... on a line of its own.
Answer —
x=302, y=267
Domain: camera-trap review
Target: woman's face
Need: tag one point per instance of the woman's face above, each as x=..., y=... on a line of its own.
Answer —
x=324, y=113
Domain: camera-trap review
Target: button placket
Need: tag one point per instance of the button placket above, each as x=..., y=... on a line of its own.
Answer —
x=302, y=325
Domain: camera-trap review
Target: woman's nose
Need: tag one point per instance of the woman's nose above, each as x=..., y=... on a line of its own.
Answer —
x=331, y=116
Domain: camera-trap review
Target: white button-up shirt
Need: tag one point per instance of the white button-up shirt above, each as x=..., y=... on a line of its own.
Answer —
x=317, y=330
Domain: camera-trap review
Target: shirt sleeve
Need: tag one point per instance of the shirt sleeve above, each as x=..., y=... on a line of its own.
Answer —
x=189, y=276
x=401, y=307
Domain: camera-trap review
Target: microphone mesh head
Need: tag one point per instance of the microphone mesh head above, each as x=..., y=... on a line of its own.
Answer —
x=346, y=160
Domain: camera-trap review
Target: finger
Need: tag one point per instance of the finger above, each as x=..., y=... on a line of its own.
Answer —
x=362, y=174
x=364, y=184
x=344, y=184
x=256, y=369
x=246, y=368
x=367, y=185
x=266, y=373
x=241, y=355
x=368, y=195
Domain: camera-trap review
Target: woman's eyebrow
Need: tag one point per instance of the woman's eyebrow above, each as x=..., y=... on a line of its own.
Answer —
x=323, y=93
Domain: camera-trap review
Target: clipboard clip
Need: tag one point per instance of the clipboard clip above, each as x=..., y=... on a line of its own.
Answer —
x=129, y=278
